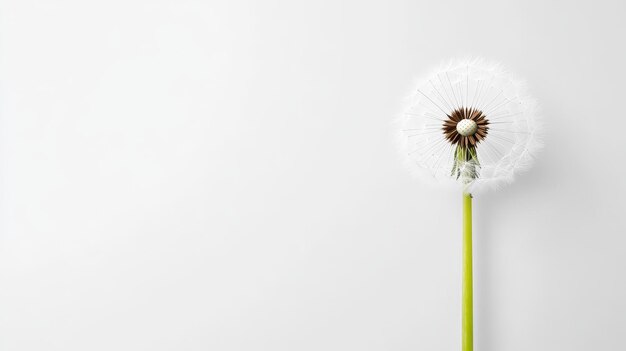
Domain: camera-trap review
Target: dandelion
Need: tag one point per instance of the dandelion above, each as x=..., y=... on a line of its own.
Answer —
x=470, y=123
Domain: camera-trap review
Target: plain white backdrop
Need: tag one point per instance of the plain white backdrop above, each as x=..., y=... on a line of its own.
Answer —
x=222, y=175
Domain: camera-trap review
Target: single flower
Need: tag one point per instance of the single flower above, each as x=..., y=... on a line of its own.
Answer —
x=470, y=121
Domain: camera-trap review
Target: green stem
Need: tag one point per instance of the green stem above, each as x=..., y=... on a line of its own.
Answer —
x=467, y=299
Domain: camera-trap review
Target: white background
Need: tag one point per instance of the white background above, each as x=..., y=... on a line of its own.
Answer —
x=203, y=175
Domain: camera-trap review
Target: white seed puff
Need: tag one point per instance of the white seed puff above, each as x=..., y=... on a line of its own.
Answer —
x=477, y=106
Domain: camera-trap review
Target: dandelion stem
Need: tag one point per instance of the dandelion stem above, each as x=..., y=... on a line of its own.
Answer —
x=467, y=307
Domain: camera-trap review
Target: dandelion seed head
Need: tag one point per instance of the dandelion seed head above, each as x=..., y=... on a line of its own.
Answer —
x=470, y=122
